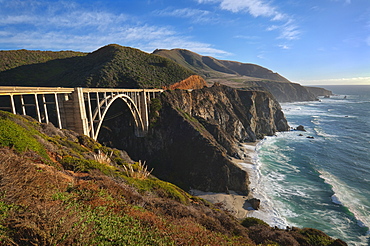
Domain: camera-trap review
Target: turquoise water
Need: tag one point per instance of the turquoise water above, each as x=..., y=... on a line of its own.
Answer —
x=323, y=182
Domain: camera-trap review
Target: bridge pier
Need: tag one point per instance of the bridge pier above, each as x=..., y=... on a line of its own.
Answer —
x=74, y=113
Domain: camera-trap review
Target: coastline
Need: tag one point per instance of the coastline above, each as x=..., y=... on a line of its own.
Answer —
x=238, y=205
x=234, y=203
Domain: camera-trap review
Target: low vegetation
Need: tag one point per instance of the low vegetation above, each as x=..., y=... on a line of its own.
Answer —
x=59, y=188
x=15, y=58
x=109, y=66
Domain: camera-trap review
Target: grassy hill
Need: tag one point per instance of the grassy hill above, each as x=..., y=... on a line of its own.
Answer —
x=109, y=66
x=60, y=188
x=15, y=58
x=210, y=67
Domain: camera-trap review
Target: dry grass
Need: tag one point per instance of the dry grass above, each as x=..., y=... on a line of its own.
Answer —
x=140, y=171
x=103, y=158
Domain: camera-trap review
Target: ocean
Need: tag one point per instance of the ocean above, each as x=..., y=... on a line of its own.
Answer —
x=319, y=178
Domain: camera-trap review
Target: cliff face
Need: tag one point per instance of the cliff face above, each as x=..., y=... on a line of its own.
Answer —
x=285, y=92
x=196, y=133
x=317, y=91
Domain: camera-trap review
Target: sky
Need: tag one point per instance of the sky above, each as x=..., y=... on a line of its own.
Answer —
x=311, y=42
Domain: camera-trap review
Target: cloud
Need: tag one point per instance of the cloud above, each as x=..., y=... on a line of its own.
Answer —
x=341, y=81
x=184, y=43
x=66, y=25
x=58, y=16
x=289, y=31
x=346, y=2
x=254, y=7
x=260, y=8
x=284, y=46
x=196, y=15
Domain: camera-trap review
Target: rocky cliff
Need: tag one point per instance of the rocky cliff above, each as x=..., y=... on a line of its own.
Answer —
x=194, y=134
x=318, y=91
x=283, y=92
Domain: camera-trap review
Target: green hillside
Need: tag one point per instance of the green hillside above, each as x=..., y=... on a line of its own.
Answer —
x=211, y=67
x=109, y=66
x=14, y=58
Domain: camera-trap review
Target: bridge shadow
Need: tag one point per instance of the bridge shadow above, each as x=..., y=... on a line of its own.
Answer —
x=118, y=128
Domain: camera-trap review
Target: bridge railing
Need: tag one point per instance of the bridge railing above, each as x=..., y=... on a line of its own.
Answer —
x=22, y=90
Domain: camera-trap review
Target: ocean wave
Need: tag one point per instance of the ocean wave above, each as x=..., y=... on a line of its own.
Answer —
x=267, y=211
x=348, y=198
x=320, y=132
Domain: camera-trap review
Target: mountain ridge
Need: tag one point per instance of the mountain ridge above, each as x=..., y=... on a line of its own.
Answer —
x=110, y=66
x=242, y=75
x=211, y=67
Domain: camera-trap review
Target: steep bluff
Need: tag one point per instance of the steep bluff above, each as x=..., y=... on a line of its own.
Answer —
x=194, y=134
x=317, y=91
x=284, y=92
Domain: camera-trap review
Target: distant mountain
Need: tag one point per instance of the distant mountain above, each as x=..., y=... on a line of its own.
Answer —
x=210, y=67
x=109, y=66
x=242, y=75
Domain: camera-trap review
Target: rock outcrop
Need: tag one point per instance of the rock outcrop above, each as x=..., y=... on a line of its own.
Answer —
x=198, y=131
x=193, y=82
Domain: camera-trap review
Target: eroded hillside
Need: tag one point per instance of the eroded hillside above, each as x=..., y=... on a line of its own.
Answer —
x=242, y=76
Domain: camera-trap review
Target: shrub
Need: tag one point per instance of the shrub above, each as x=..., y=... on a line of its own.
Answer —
x=250, y=221
x=161, y=188
x=13, y=135
x=83, y=165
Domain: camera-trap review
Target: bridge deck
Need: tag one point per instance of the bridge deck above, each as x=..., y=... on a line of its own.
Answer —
x=23, y=90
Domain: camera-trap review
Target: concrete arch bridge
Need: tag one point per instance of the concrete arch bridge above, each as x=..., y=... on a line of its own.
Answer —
x=79, y=109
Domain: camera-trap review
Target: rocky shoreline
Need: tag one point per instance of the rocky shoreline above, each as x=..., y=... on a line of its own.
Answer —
x=241, y=206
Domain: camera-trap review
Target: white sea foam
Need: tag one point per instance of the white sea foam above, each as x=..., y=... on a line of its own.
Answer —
x=320, y=132
x=349, y=198
x=267, y=211
x=335, y=200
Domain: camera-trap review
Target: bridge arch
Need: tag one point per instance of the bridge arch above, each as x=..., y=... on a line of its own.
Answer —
x=105, y=104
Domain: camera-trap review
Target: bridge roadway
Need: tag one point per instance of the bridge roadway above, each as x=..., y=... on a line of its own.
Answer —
x=79, y=109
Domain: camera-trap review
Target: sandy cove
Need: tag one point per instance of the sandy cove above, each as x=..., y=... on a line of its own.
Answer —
x=234, y=203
